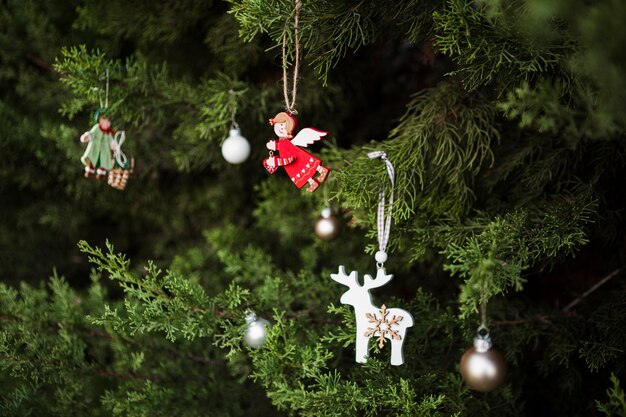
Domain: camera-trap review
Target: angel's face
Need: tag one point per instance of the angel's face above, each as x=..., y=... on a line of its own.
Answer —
x=280, y=130
x=104, y=123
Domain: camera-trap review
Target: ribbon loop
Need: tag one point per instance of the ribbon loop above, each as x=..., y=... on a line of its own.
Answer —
x=383, y=221
x=120, y=157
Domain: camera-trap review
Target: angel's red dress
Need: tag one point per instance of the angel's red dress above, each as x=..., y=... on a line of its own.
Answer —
x=302, y=167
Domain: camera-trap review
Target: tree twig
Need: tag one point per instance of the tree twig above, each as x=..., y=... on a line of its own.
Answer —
x=542, y=318
x=114, y=374
x=592, y=289
x=42, y=64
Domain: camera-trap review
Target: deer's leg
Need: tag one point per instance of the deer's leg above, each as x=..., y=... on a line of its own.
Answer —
x=396, y=351
x=361, y=348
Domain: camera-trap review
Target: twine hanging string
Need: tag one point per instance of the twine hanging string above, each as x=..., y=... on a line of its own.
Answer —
x=483, y=313
x=383, y=222
x=106, y=89
x=106, y=94
x=326, y=202
x=290, y=105
x=482, y=340
x=483, y=304
x=233, y=103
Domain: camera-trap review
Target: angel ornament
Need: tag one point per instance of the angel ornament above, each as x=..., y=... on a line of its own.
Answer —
x=101, y=142
x=301, y=166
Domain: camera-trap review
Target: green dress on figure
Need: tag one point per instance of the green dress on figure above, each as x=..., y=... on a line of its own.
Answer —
x=98, y=152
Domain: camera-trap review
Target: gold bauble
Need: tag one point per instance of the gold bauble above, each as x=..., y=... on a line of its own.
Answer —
x=483, y=371
x=327, y=227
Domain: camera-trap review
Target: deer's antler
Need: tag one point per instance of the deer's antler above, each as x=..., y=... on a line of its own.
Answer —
x=347, y=280
x=381, y=279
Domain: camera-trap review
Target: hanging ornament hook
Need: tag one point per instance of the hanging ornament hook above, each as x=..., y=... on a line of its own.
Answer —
x=482, y=340
x=383, y=222
x=250, y=316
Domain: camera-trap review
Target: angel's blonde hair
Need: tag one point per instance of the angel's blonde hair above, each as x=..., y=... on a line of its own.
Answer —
x=289, y=121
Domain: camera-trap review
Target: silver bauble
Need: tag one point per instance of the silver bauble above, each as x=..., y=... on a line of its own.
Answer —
x=327, y=227
x=483, y=367
x=235, y=148
x=256, y=331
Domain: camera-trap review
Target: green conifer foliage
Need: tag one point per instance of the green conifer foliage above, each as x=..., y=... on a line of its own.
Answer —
x=505, y=123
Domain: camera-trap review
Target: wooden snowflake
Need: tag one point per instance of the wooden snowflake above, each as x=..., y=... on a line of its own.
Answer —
x=382, y=327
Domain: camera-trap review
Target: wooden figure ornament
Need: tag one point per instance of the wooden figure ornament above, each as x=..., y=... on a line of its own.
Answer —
x=300, y=165
x=101, y=142
x=371, y=321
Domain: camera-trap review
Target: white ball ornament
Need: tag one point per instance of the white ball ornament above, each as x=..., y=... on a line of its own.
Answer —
x=256, y=331
x=235, y=148
x=327, y=227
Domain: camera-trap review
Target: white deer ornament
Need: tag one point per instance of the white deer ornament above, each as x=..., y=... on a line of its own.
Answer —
x=371, y=321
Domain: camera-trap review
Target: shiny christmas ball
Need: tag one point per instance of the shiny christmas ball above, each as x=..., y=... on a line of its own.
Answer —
x=235, y=148
x=483, y=367
x=256, y=331
x=327, y=227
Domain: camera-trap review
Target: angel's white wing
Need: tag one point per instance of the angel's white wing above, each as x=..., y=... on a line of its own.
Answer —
x=307, y=136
